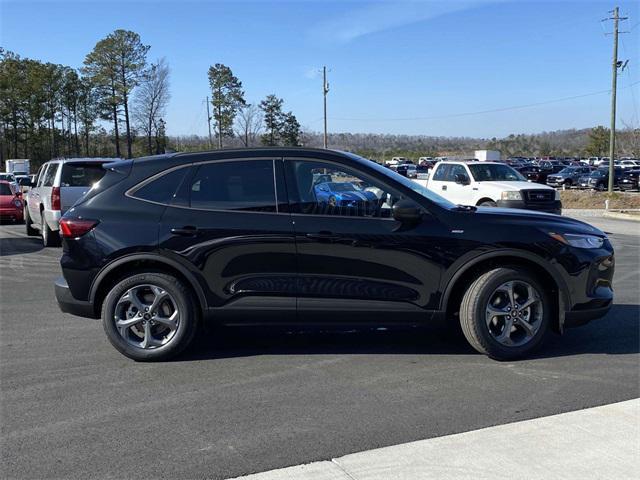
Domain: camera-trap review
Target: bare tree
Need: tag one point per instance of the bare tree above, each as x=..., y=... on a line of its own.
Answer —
x=152, y=99
x=248, y=124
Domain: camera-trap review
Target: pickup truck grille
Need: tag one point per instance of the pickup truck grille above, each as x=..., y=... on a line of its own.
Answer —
x=539, y=196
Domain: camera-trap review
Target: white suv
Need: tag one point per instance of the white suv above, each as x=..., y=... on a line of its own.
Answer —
x=58, y=184
x=491, y=184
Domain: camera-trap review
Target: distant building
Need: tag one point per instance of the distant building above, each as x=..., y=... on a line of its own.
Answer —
x=487, y=155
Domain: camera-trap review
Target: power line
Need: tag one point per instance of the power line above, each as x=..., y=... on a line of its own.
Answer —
x=481, y=112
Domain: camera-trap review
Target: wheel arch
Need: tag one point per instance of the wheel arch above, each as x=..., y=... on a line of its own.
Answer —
x=139, y=262
x=485, y=199
x=466, y=274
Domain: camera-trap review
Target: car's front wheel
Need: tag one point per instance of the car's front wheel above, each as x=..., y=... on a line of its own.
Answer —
x=150, y=316
x=505, y=313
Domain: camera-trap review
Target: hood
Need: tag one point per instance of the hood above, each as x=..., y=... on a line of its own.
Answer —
x=351, y=195
x=518, y=186
x=530, y=218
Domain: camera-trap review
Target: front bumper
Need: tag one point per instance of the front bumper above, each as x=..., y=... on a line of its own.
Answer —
x=68, y=304
x=548, y=207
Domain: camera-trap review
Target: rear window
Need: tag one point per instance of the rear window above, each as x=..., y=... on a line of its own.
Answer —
x=80, y=174
x=5, y=189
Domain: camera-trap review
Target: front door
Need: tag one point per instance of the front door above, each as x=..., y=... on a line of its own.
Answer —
x=355, y=262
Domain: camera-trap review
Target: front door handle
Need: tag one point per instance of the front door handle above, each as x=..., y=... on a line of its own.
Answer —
x=444, y=187
x=323, y=236
x=188, y=231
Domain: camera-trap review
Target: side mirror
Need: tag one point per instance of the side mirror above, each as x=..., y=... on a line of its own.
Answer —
x=405, y=211
x=462, y=179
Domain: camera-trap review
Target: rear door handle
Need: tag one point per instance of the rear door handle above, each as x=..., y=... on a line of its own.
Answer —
x=326, y=236
x=188, y=231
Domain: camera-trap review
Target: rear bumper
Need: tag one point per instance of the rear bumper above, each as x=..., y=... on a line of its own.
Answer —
x=550, y=207
x=68, y=304
x=52, y=217
x=11, y=213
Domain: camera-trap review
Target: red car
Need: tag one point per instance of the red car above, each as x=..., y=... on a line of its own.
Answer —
x=11, y=206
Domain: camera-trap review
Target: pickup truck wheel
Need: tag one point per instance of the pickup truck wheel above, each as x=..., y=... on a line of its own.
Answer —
x=31, y=232
x=49, y=237
x=150, y=316
x=505, y=313
x=488, y=203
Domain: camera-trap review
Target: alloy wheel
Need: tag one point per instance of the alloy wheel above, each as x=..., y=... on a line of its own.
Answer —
x=514, y=313
x=147, y=316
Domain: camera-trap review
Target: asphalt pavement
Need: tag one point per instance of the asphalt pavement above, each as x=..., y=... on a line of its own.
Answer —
x=248, y=400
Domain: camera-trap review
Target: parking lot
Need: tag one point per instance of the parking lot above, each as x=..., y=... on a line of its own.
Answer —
x=249, y=400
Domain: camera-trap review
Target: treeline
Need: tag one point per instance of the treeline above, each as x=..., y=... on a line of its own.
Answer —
x=115, y=104
x=381, y=147
x=112, y=106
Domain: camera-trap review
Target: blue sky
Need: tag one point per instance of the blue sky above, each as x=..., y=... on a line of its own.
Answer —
x=414, y=67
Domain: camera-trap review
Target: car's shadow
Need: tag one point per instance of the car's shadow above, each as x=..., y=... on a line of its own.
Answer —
x=616, y=334
x=19, y=245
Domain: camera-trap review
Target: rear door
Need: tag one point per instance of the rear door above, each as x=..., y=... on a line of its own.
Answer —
x=76, y=179
x=229, y=220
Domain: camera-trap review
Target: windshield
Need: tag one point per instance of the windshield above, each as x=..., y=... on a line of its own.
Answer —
x=415, y=186
x=492, y=172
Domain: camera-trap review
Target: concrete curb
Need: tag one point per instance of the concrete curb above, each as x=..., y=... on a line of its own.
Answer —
x=621, y=216
x=594, y=443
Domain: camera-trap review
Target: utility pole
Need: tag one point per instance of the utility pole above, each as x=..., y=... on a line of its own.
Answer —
x=325, y=90
x=614, y=81
x=209, y=124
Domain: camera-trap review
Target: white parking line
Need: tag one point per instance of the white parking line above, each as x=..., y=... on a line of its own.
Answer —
x=595, y=443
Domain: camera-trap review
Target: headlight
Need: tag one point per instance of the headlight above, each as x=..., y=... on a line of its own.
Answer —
x=17, y=203
x=578, y=241
x=512, y=195
x=557, y=194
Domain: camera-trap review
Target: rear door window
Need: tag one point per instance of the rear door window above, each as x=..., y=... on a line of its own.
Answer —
x=81, y=174
x=246, y=185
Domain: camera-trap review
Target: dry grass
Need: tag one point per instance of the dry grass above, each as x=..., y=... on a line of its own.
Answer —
x=592, y=199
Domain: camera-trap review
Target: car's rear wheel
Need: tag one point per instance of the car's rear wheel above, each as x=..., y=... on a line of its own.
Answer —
x=488, y=203
x=505, y=313
x=31, y=232
x=49, y=237
x=150, y=316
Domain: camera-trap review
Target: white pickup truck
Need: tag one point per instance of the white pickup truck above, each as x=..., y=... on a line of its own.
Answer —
x=491, y=184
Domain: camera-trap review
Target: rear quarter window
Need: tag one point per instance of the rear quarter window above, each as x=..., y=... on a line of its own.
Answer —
x=161, y=188
x=50, y=175
x=81, y=174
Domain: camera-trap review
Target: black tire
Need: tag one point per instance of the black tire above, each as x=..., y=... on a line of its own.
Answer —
x=49, y=237
x=31, y=232
x=600, y=187
x=569, y=183
x=488, y=203
x=185, y=302
x=332, y=201
x=473, y=312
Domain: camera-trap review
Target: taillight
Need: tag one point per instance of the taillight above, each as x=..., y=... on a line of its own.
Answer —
x=55, y=198
x=75, y=227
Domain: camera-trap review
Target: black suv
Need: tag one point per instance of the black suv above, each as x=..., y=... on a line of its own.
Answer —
x=304, y=236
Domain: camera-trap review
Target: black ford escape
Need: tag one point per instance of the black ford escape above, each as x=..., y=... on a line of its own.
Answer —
x=303, y=236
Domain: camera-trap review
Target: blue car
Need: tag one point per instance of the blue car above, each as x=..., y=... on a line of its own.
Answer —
x=344, y=194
